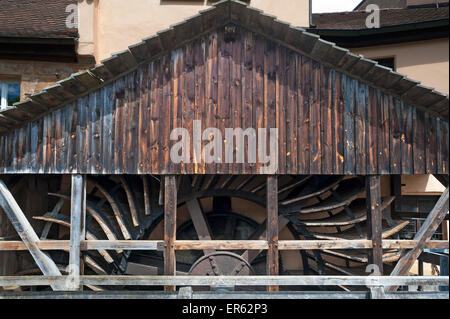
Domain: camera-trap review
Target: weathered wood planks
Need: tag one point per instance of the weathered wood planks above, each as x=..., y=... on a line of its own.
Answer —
x=328, y=122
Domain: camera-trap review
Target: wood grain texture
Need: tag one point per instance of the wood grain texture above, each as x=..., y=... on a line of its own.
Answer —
x=327, y=121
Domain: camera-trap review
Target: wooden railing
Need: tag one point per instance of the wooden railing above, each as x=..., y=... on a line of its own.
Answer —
x=222, y=244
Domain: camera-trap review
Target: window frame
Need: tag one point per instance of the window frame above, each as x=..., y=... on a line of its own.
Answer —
x=4, y=91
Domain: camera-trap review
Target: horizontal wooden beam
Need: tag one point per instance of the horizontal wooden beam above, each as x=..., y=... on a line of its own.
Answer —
x=369, y=281
x=355, y=244
x=223, y=244
x=235, y=295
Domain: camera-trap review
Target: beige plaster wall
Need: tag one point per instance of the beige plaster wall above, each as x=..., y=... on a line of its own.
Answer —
x=421, y=185
x=425, y=61
x=113, y=25
x=35, y=76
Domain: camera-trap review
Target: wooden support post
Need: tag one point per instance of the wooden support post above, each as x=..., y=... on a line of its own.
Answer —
x=434, y=219
x=77, y=229
x=27, y=234
x=272, y=228
x=170, y=224
x=374, y=221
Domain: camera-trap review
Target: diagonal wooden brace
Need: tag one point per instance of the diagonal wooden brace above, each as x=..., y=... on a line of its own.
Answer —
x=27, y=234
x=434, y=219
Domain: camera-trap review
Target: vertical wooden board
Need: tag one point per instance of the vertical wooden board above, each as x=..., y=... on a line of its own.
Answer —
x=125, y=124
x=148, y=123
x=281, y=104
x=2, y=153
x=383, y=135
x=188, y=97
x=9, y=153
x=156, y=109
x=236, y=95
x=154, y=116
x=12, y=151
x=28, y=153
x=19, y=136
x=395, y=128
x=108, y=129
x=406, y=140
x=98, y=130
x=270, y=98
x=374, y=221
x=200, y=95
x=430, y=143
x=361, y=128
x=316, y=125
x=211, y=88
x=20, y=139
x=223, y=108
x=91, y=145
x=326, y=110
x=258, y=89
x=445, y=154
x=59, y=151
x=68, y=136
x=170, y=224
x=45, y=142
x=144, y=118
x=338, y=123
x=291, y=113
x=43, y=146
x=349, y=125
x=133, y=118
x=442, y=151
x=183, y=102
x=119, y=95
x=177, y=117
x=166, y=114
x=372, y=138
x=39, y=148
x=82, y=135
x=53, y=140
x=247, y=89
x=304, y=116
x=72, y=154
x=272, y=228
x=419, y=143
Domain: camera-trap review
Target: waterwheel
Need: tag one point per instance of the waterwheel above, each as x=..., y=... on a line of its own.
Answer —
x=220, y=208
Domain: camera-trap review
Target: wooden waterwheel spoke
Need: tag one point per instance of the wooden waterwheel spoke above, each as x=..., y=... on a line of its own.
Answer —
x=147, y=195
x=116, y=208
x=98, y=216
x=134, y=207
x=260, y=234
x=54, y=212
x=65, y=221
x=203, y=231
x=305, y=233
x=295, y=183
x=319, y=192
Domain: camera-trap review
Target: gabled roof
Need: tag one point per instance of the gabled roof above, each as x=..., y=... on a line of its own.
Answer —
x=397, y=4
x=31, y=18
x=356, y=20
x=227, y=11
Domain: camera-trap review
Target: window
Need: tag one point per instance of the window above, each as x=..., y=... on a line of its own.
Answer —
x=387, y=62
x=9, y=93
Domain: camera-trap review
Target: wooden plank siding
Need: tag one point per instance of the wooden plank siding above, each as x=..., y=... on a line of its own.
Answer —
x=328, y=122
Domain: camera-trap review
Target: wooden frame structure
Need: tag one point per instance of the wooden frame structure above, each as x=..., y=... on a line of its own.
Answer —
x=231, y=66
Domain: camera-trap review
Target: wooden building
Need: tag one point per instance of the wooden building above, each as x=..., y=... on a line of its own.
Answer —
x=92, y=154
